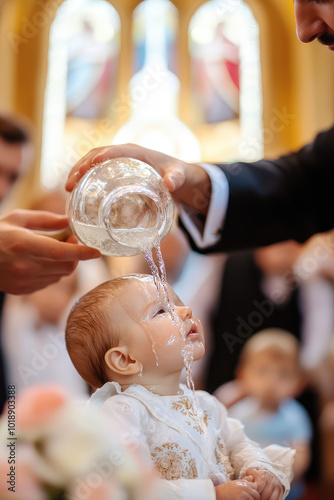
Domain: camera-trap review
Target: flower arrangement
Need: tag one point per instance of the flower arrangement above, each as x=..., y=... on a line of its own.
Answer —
x=64, y=451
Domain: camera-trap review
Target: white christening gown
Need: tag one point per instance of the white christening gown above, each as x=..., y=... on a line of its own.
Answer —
x=193, y=447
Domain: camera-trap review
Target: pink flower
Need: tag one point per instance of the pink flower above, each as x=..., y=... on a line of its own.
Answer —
x=38, y=404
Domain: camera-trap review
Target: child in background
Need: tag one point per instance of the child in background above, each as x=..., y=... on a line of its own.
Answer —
x=123, y=340
x=268, y=378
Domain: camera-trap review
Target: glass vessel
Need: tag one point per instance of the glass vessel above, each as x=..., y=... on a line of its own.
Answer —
x=121, y=207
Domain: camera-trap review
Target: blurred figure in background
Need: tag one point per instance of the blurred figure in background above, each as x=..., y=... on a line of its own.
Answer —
x=253, y=297
x=28, y=261
x=275, y=287
x=33, y=337
x=268, y=379
x=34, y=324
x=272, y=287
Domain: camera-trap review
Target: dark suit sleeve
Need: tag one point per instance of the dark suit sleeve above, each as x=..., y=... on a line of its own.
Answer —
x=288, y=198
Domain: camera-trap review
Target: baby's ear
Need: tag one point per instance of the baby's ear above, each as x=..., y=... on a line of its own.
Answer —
x=119, y=361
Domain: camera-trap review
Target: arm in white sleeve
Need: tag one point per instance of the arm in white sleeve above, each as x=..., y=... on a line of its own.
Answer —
x=244, y=453
x=209, y=234
x=128, y=423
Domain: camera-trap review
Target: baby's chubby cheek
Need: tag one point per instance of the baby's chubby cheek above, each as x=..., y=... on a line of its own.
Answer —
x=163, y=339
x=171, y=344
x=170, y=340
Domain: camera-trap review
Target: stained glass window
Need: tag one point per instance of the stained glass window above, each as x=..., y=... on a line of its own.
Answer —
x=226, y=73
x=154, y=89
x=139, y=34
x=82, y=74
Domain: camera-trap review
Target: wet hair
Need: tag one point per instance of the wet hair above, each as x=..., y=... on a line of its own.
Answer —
x=13, y=132
x=274, y=340
x=90, y=332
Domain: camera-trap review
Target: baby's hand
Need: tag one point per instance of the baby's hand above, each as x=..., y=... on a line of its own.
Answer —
x=241, y=489
x=269, y=487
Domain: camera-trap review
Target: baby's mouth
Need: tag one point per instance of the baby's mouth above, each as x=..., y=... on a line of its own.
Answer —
x=193, y=332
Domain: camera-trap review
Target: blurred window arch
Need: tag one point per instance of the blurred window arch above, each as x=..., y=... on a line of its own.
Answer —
x=81, y=81
x=154, y=87
x=226, y=90
x=86, y=101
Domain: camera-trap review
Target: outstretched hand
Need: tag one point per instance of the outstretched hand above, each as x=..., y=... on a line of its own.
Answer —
x=30, y=261
x=189, y=183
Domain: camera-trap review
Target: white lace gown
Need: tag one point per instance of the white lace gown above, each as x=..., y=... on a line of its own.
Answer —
x=193, y=448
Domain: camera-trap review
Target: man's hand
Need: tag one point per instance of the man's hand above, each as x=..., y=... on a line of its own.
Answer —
x=241, y=489
x=189, y=183
x=30, y=261
x=269, y=487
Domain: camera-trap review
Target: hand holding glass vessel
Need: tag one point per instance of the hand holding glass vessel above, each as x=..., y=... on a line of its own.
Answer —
x=121, y=207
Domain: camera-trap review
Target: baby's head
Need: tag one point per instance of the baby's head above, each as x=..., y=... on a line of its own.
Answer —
x=122, y=329
x=269, y=367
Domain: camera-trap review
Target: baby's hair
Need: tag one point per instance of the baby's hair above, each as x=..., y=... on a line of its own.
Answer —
x=90, y=333
x=274, y=340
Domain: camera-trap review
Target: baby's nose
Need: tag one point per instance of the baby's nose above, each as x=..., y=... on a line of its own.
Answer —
x=184, y=312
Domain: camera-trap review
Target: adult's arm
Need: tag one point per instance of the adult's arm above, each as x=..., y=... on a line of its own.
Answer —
x=269, y=201
x=30, y=261
x=287, y=198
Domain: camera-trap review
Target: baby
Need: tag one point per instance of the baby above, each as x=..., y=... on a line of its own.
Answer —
x=124, y=342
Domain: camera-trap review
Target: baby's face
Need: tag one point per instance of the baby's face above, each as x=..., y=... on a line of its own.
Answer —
x=150, y=333
x=270, y=377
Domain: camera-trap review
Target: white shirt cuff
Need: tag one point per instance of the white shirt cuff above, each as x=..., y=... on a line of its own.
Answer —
x=209, y=235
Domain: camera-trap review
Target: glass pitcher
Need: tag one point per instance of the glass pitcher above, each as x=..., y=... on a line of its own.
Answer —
x=121, y=207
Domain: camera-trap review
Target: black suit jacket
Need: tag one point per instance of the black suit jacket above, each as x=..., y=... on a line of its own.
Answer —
x=288, y=198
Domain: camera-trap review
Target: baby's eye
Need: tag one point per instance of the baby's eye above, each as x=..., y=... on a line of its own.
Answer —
x=159, y=311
